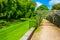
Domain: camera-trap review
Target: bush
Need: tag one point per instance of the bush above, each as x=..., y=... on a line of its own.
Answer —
x=32, y=23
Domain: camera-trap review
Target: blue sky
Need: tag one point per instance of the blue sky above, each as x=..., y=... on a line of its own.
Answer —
x=48, y=3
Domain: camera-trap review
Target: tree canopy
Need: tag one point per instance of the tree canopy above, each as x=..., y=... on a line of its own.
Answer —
x=56, y=7
x=42, y=7
x=16, y=8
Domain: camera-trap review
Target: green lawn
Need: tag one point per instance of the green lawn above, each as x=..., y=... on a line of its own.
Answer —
x=14, y=32
x=17, y=29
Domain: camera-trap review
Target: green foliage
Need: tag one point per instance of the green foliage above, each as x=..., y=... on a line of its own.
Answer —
x=56, y=7
x=32, y=23
x=42, y=7
x=15, y=9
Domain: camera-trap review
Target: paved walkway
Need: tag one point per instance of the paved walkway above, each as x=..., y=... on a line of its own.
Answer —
x=48, y=32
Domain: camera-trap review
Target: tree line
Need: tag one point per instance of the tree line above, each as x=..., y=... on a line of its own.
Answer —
x=14, y=9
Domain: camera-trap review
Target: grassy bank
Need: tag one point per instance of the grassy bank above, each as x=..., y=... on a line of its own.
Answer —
x=14, y=32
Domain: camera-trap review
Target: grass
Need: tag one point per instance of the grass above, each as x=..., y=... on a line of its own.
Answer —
x=14, y=32
x=38, y=29
x=32, y=21
x=16, y=29
x=5, y=23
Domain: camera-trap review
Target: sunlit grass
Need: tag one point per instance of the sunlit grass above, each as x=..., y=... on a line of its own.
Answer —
x=14, y=32
x=38, y=29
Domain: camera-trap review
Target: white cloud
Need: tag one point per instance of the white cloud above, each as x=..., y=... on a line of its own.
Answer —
x=38, y=4
x=52, y=2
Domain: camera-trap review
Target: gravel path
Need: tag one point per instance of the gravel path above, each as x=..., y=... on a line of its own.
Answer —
x=48, y=32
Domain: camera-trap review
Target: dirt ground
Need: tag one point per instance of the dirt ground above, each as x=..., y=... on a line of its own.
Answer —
x=48, y=32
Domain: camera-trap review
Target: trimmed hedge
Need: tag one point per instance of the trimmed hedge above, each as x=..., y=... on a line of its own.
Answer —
x=32, y=21
x=14, y=32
